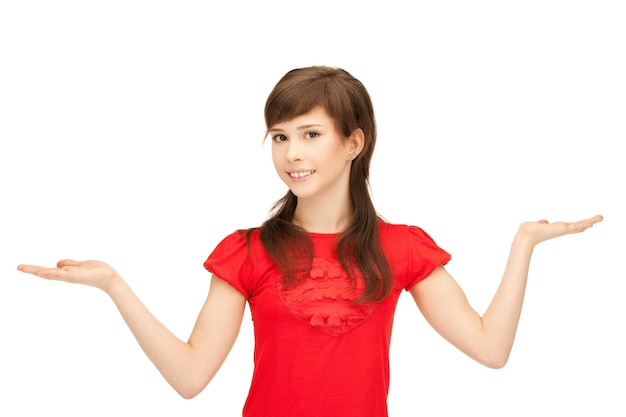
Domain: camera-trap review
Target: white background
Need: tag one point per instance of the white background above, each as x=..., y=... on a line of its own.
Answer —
x=131, y=132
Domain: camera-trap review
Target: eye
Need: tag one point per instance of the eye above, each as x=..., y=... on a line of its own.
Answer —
x=311, y=135
x=279, y=138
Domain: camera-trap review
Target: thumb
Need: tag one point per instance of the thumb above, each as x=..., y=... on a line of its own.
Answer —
x=68, y=262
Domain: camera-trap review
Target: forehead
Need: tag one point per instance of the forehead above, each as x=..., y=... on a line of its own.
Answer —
x=314, y=117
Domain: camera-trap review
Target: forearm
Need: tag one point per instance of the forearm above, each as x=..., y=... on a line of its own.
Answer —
x=188, y=367
x=500, y=320
x=488, y=338
x=173, y=358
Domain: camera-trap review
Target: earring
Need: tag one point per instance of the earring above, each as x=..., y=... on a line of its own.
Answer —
x=354, y=154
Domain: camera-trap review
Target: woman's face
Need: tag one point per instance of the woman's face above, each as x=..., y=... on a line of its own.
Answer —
x=310, y=156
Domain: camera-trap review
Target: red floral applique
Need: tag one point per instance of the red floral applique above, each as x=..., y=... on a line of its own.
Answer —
x=324, y=299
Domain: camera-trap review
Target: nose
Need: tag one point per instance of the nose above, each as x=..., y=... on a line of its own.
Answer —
x=293, y=151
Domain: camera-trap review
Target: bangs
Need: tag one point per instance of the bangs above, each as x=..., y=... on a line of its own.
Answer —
x=298, y=92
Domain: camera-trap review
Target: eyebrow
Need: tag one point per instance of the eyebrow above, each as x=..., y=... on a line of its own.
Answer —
x=303, y=127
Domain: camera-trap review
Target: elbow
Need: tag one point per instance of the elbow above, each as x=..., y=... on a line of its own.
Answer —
x=496, y=364
x=188, y=392
x=491, y=358
x=191, y=381
x=188, y=395
x=495, y=361
x=190, y=389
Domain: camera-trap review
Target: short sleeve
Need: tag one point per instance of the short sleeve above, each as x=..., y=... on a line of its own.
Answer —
x=424, y=256
x=231, y=260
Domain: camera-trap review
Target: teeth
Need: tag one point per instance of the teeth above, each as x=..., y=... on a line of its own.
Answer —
x=301, y=174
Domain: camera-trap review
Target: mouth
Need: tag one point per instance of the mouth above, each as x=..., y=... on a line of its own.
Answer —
x=297, y=175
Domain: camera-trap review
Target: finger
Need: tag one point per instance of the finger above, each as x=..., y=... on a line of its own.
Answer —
x=68, y=262
x=28, y=268
x=591, y=221
x=597, y=218
x=48, y=273
x=582, y=225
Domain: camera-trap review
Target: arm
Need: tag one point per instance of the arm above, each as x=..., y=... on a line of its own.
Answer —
x=488, y=338
x=187, y=366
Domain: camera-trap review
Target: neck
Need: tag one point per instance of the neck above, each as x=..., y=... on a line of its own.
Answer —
x=320, y=216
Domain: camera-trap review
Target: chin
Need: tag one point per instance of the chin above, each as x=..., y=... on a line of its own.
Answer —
x=300, y=193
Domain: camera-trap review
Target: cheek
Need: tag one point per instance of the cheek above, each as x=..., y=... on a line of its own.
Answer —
x=338, y=156
x=276, y=159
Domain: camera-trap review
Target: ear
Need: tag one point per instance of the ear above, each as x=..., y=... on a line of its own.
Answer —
x=356, y=141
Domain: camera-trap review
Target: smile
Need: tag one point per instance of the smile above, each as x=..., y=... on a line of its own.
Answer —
x=301, y=174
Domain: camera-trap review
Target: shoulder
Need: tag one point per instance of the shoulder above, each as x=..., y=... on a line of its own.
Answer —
x=242, y=241
x=404, y=238
x=412, y=252
x=243, y=236
x=392, y=231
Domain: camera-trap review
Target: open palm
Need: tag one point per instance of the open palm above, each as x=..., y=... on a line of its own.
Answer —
x=543, y=230
x=94, y=273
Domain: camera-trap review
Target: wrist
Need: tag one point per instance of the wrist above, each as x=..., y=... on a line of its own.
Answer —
x=113, y=284
x=524, y=237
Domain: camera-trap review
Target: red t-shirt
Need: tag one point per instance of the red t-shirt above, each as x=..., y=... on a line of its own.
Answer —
x=316, y=354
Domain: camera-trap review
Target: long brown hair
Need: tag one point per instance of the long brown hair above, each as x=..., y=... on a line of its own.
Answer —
x=347, y=101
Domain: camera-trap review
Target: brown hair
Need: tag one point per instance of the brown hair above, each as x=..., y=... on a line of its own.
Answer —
x=347, y=101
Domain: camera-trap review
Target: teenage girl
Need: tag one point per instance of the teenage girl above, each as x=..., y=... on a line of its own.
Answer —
x=323, y=274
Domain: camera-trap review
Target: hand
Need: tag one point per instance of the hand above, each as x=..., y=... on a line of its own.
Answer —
x=537, y=232
x=93, y=273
